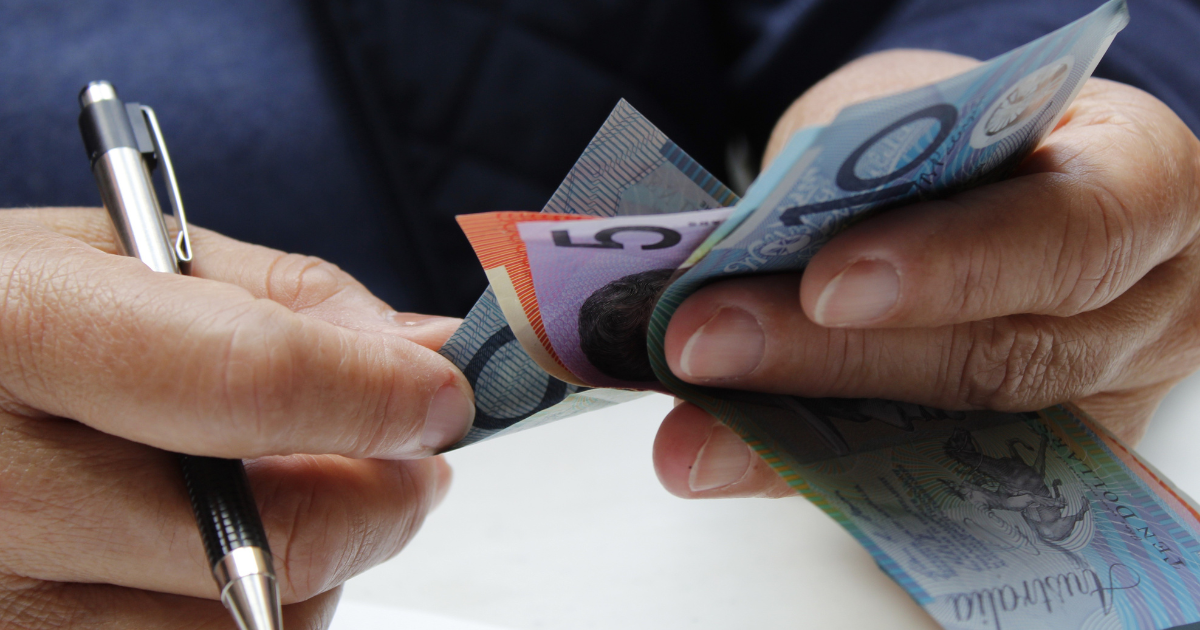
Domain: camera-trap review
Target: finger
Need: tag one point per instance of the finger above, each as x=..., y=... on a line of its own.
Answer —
x=205, y=367
x=107, y=500
x=697, y=457
x=1085, y=222
x=35, y=605
x=748, y=334
x=312, y=286
x=303, y=284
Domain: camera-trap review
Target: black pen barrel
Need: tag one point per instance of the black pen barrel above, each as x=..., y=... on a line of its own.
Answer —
x=234, y=539
x=225, y=509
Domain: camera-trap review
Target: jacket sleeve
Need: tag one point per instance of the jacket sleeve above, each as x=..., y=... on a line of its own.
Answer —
x=1157, y=52
x=786, y=45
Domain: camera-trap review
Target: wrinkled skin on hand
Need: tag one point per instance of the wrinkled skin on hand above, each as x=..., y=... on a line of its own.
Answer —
x=279, y=358
x=1074, y=280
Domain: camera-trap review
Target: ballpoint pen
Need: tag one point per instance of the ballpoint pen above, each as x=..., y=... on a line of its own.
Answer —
x=124, y=143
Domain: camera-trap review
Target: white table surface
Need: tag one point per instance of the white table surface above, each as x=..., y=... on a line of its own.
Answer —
x=565, y=527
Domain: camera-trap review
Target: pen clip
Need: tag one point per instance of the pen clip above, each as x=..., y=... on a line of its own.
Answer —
x=183, y=241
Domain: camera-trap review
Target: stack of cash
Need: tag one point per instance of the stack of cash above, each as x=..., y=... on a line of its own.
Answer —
x=988, y=519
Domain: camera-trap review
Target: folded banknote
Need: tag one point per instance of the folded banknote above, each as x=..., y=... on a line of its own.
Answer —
x=988, y=519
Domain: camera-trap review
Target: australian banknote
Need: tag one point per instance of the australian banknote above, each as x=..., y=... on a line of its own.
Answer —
x=987, y=519
x=629, y=168
x=586, y=285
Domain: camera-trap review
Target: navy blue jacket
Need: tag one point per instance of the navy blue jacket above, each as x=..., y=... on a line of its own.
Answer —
x=356, y=129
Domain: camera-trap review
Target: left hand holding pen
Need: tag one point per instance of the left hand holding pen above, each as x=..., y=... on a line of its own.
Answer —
x=262, y=355
x=1076, y=279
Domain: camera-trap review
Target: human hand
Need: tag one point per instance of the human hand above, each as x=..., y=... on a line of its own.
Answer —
x=1076, y=279
x=282, y=358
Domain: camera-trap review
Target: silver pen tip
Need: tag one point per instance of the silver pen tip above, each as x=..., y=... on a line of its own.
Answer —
x=254, y=602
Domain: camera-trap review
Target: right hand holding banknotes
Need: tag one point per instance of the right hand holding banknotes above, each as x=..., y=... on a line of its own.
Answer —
x=1075, y=279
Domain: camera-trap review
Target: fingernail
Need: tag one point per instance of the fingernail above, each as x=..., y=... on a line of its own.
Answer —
x=448, y=419
x=409, y=320
x=444, y=476
x=728, y=345
x=862, y=293
x=723, y=460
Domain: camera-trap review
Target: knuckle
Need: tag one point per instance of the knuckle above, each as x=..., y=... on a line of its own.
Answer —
x=1098, y=251
x=277, y=372
x=973, y=273
x=257, y=376
x=301, y=282
x=381, y=431
x=844, y=360
x=328, y=539
x=22, y=317
x=314, y=547
x=980, y=280
x=1015, y=364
